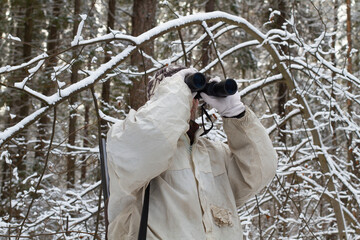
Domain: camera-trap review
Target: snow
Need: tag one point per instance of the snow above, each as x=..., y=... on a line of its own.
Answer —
x=99, y=49
x=273, y=13
x=108, y=118
x=32, y=61
x=21, y=84
x=78, y=38
x=20, y=125
x=11, y=37
x=255, y=86
x=92, y=78
x=29, y=177
x=15, y=174
x=229, y=52
x=165, y=27
x=5, y=156
x=61, y=84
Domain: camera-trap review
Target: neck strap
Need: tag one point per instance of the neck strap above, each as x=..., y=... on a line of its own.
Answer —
x=203, y=110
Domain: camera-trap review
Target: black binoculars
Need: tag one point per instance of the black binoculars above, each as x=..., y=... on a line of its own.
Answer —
x=197, y=83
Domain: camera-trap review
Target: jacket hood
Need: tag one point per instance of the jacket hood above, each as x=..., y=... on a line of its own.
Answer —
x=160, y=75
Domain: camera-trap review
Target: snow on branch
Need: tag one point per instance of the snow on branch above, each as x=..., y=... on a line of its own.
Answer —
x=9, y=68
x=95, y=76
x=77, y=37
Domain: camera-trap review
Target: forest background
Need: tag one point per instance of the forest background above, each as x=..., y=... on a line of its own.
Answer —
x=70, y=69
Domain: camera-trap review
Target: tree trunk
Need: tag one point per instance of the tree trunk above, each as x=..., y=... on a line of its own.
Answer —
x=3, y=18
x=46, y=84
x=9, y=100
x=280, y=5
x=282, y=87
x=105, y=94
x=349, y=69
x=333, y=74
x=85, y=141
x=72, y=101
x=22, y=103
x=143, y=19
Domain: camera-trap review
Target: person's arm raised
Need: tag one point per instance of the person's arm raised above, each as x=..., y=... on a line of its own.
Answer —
x=141, y=147
x=250, y=158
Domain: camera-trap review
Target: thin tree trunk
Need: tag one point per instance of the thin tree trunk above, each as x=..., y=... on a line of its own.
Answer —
x=46, y=84
x=143, y=19
x=349, y=69
x=333, y=75
x=72, y=101
x=85, y=141
x=282, y=93
x=3, y=18
x=351, y=158
x=9, y=101
x=105, y=94
x=22, y=103
x=282, y=87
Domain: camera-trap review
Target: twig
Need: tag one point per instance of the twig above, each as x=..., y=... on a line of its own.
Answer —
x=44, y=234
x=99, y=136
x=296, y=207
x=183, y=48
x=42, y=174
x=258, y=207
x=145, y=74
x=204, y=25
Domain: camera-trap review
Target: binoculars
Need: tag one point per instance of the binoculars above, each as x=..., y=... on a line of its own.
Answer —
x=197, y=83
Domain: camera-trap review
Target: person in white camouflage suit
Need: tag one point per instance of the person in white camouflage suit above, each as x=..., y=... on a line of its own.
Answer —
x=197, y=184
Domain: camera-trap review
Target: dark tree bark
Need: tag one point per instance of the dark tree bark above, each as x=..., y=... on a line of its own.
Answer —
x=85, y=141
x=282, y=93
x=282, y=87
x=349, y=69
x=333, y=74
x=46, y=84
x=21, y=104
x=105, y=94
x=70, y=177
x=3, y=19
x=9, y=101
x=143, y=19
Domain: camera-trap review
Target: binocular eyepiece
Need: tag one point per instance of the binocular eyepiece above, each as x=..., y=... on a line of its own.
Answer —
x=197, y=83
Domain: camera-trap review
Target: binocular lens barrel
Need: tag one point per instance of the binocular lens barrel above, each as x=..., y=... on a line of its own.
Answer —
x=196, y=82
x=221, y=89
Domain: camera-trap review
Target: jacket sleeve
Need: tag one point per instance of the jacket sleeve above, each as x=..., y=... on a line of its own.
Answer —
x=251, y=160
x=141, y=147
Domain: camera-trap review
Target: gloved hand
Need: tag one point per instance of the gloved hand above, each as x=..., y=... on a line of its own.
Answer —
x=230, y=106
x=184, y=73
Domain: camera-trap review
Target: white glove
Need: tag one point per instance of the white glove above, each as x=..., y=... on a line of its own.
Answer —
x=184, y=73
x=230, y=106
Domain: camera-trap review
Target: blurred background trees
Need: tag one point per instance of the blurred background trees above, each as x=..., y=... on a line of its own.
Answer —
x=296, y=63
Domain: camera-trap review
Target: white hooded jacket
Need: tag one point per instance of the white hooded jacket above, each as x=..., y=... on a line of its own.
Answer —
x=195, y=189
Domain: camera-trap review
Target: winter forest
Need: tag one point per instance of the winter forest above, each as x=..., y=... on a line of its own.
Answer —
x=70, y=69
